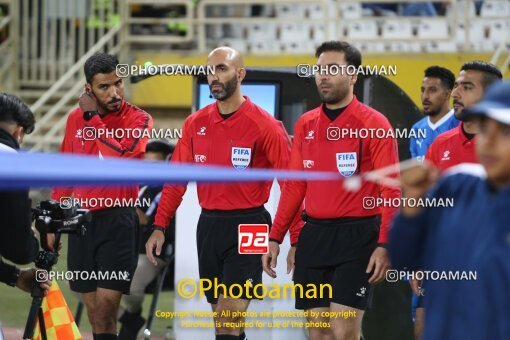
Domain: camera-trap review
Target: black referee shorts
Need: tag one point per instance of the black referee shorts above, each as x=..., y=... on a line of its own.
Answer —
x=336, y=252
x=218, y=253
x=110, y=245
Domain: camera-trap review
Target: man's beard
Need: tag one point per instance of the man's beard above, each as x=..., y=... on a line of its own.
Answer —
x=334, y=96
x=113, y=101
x=431, y=113
x=458, y=112
x=227, y=90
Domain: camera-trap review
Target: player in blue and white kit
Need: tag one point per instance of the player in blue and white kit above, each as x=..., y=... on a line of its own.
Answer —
x=436, y=88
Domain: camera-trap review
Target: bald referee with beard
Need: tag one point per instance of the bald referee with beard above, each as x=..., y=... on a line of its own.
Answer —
x=236, y=133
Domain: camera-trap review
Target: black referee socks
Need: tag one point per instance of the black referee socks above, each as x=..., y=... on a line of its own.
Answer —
x=104, y=336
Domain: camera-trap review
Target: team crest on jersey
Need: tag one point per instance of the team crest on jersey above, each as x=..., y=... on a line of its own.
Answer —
x=346, y=162
x=240, y=157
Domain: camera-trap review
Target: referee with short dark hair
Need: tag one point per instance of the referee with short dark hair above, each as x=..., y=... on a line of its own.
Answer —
x=232, y=132
x=342, y=243
x=110, y=244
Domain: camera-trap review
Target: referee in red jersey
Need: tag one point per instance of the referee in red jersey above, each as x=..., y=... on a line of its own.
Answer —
x=231, y=132
x=458, y=145
x=110, y=244
x=343, y=243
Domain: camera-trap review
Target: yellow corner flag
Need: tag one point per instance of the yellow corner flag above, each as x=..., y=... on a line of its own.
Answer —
x=58, y=320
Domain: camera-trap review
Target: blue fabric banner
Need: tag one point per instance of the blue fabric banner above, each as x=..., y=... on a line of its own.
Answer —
x=24, y=169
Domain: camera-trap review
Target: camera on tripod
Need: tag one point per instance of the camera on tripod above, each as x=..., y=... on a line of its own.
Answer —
x=51, y=218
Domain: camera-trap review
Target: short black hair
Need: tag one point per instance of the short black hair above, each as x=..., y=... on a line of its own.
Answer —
x=13, y=110
x=99, y=63
x=445, y=75
x=491, y=73
x=352, y=54
x=160, y=146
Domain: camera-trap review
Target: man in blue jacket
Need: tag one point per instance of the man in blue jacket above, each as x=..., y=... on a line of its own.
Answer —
x=472, y=237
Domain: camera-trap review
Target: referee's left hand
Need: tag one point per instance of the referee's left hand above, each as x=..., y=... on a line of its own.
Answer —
x=379, y=263
x=291, y=258
x=155, y=242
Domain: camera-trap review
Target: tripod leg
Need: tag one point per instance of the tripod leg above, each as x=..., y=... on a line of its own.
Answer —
x=42, y=326
x=32, y=318
x=79, y=311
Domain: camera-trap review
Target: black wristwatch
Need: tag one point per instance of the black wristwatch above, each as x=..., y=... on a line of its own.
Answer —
x=87, y=115
x=156, y=227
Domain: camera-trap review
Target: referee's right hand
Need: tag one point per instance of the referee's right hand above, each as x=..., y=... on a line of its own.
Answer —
x=269, y=259
x=155, y=241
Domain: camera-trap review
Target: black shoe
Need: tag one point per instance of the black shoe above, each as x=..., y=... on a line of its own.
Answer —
x=131, y=325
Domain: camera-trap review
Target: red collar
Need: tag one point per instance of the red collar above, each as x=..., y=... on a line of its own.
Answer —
x=217, y=118
x=462, y=135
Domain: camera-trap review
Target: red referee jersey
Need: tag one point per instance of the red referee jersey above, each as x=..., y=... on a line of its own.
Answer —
x=250, y=138
x=452, y=148
x=96, y=137
x=312, y=150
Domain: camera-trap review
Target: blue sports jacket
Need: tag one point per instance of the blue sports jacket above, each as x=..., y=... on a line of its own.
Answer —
x=473, y=236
